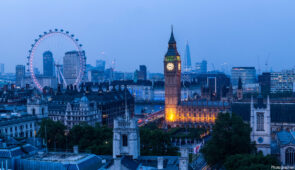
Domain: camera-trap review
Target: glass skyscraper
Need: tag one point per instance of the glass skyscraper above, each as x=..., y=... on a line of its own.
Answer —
x=48, y=64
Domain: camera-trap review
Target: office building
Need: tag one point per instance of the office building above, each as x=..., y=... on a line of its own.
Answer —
x=20, y=71
x=282, y=82
x=201, y=67
x=1, y=68
x=72, y=66
x=140, y=74
x=247, y=75
x=48, y=64
x=264, y=83
x=100, y=64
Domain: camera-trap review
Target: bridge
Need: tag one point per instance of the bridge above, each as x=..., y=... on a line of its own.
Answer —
x=151, y=118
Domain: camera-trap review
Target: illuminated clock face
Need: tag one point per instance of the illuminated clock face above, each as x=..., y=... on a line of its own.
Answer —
x=170, y=66
x=179, y=66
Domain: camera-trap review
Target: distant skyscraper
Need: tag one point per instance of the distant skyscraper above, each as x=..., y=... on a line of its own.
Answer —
x=187, y=59
x=19, y=74
x=1, y=68
x=71, y=66
x=201, y=67
x=140, y=74
x=36, y=71
x=100, y=64
x=48, y=64
x=247, y=74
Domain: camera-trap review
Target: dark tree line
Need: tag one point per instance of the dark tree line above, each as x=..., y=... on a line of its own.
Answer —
x=230, y=146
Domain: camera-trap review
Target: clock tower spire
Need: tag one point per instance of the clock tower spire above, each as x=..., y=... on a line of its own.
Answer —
x=172, y=72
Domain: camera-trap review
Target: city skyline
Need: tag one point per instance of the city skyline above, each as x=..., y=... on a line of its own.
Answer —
x=247, y=33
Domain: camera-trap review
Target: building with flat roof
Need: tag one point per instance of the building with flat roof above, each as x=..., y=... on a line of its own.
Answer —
x=59, y=161
x=247, y=74
x=72, y=64
x=48, y=64
x=20, y=72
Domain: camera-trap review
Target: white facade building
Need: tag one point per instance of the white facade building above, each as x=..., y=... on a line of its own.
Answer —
x=260, y=122
x=126, y=140
x=24, y=124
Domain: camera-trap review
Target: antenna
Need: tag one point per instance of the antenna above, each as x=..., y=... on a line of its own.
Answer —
x=258, y=62
x=266, y=62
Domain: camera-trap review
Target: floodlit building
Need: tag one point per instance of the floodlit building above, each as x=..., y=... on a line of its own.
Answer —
x=189, y=113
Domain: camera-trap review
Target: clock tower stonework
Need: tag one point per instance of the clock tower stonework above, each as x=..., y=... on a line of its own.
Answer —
x=172, y=72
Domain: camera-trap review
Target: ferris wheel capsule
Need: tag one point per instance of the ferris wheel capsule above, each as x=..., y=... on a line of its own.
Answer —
x=61, y=30
x=55, y=29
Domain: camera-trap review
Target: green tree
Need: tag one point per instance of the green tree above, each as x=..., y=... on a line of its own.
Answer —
x=250, y=162
x=97, y=139
x=53, y=132
x=155, y=141
x=230, y=136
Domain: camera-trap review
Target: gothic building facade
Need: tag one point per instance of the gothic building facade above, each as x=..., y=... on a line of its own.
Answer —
x=260, y=123
x=273, y=128
x=185, y=113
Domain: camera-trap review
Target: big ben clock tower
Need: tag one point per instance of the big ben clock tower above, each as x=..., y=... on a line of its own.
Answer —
x=172, y=72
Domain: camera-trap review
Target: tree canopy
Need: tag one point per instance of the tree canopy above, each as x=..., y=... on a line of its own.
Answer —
x=230, y=136
x=250, y=162
x=230, y=146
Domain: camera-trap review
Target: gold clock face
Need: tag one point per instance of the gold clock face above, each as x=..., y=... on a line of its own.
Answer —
x=179, y=66
x=170, y=66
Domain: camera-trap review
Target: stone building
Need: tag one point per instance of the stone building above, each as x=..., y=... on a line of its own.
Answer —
x=126, y=150
x=273, y=127
x=260, y=123
x=190, y=113
x=91, y=104
x=24, y=124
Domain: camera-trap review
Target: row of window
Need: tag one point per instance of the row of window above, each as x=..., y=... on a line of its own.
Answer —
x=16, y=128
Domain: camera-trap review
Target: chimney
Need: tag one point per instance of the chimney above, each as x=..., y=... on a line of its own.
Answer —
x=76, y=149
x=160, y=162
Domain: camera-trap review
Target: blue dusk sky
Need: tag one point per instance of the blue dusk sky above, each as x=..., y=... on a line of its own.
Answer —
x=226, y=33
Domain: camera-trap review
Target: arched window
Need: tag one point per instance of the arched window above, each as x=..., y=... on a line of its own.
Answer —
x=125, y=140
x=33, y=111
x=290, y=156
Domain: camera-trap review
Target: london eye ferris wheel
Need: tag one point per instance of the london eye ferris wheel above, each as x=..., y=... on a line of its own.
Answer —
x=72, y=43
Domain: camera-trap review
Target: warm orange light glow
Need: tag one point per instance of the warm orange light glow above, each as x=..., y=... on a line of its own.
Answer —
x=170, y=114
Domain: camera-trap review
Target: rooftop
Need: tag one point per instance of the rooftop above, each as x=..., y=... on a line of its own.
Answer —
x=59, y=157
